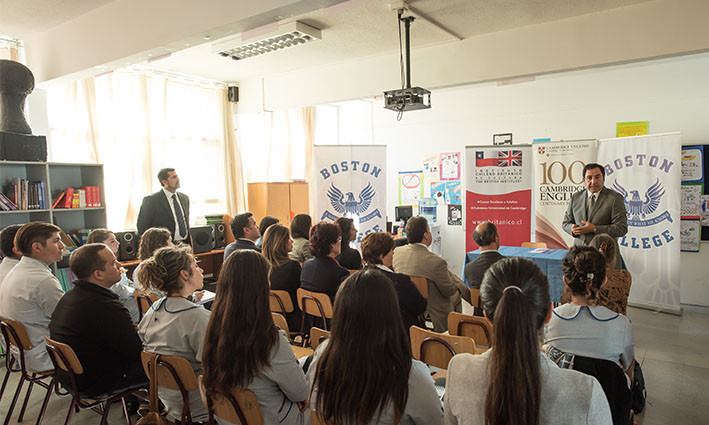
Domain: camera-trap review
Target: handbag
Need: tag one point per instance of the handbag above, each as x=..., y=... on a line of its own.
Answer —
x=639, y=390
x=153, y=417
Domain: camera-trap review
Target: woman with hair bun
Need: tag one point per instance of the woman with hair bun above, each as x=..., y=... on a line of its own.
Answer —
x=514, y=382
x=583, y=327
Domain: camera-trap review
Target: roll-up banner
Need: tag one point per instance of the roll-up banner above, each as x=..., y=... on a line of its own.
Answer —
x=558, y=174
x=499, y=190
x=646, y=170
x=350, y=181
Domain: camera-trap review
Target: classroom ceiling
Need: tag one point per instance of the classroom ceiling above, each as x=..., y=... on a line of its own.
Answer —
x=23, y=19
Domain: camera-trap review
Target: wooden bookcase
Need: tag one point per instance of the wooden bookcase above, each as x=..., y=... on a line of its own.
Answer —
x=279, y=200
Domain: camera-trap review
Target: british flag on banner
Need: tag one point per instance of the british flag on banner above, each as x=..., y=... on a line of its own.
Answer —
x=509, y=159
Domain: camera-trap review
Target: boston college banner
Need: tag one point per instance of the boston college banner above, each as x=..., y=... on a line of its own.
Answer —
x=350, y=181
x=558, y=174
x=499, y=189
x=646, y=170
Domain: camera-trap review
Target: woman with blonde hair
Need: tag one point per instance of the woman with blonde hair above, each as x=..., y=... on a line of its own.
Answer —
x=285, y=273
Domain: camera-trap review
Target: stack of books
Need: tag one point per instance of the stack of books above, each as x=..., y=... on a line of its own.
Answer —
x=83, y=197
x=22, y=194
x=214, y=219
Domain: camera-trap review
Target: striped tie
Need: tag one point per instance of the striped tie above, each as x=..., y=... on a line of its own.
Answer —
x=180, y=218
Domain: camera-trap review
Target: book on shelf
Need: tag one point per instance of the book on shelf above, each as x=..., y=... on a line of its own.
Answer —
x=82, y=197
x=22, y=194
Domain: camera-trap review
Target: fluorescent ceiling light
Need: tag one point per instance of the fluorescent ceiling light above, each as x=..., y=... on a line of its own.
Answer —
x=288, y=35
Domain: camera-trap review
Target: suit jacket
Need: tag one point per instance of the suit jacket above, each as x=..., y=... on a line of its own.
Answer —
x=322, y=274
x=475, y=271
x=287, y=278
x=444, y=288
x=350, y=259
x=155, y=211
x=240, y=244
x=608, y=215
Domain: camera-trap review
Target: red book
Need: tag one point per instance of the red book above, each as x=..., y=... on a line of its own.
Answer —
x=68, y=197
x=58, y=200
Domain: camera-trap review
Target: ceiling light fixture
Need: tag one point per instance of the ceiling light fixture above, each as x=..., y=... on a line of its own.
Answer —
x=288, y=35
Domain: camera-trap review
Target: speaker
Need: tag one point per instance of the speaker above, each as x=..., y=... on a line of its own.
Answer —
x=233, y=94
x=219, y=235
x=202, y=238
x=128, y=249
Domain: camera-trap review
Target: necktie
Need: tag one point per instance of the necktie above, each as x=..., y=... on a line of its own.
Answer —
x=180, y=217
x=591, y=202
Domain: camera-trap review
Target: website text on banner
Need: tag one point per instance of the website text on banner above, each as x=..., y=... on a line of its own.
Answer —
x=646, y=170
x=350, y=181
x=499, y=190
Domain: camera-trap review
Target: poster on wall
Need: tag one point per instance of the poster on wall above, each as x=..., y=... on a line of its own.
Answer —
x=646, y=170
x=438, y=192
x=453, y=192
x=689, y=235
x=450, y=166
x=350, y=181
x=692, y=164
x=705, y=210
x=499, y=189
x=410, y=187
x=430, y=168
x=632, y=128
x=455, y=215
x=558, y=174
x=691, y=201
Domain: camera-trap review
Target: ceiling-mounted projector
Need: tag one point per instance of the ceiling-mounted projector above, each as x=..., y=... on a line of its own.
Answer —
x=407, y=98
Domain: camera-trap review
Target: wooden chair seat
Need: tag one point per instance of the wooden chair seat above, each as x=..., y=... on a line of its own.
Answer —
x=474, y=327
x=534, y=245
x=239, y=407
x=437, y=349
x=175, y=373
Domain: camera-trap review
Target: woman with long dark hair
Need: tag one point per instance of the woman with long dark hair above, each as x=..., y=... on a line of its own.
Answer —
x=364, y=374
x=285, y=273
x=514, y=382
x=243, y=348
x=300, y=232
x=349, y=257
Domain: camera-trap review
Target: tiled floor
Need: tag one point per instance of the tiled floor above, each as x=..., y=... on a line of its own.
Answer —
x=673, y=350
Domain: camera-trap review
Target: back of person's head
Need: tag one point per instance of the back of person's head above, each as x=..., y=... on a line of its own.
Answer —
x=239, y=222
x=415, y=229
x=161, y=271
x=164, y=174
x=300, y=226
x=7, y=240
x=322, y=236
x=515, y=297
x=375, y=245
x=355, y=384
x=485, y=234
x=153, y=239
x=98, y=235
x=607, y=246
x=267, y=222
x=35, y=231
x=346, y=225
x=86, y=259
x=584, y=268
x=240, y=334
x=274, y=245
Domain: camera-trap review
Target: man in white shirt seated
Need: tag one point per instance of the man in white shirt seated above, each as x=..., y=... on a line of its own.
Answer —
x=30, y=292
x=7, y=247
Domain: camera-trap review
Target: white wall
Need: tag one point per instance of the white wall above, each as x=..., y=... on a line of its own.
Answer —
x=673, y=94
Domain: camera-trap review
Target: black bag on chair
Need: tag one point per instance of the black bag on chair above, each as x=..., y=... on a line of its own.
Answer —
x=639, y=391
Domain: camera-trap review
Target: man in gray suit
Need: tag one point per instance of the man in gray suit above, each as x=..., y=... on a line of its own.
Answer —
x=595, y=210
x=444, y=288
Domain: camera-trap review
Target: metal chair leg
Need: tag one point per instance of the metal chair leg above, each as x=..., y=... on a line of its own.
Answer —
x=125, y=411
x=14, y=400
x=106, y=408
x=52, y=382
x=71, y=411
x=27, y=398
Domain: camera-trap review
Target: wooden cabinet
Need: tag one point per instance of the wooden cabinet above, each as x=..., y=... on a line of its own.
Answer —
x=280, y=200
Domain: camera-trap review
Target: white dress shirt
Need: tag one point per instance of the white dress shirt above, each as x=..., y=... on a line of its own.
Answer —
x=177, y=236
x=29, y=294
x=7, y=264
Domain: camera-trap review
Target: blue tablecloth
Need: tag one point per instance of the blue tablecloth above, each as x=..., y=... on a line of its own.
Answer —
x=549, y=260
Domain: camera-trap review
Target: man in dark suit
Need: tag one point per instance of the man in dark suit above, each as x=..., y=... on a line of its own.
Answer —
x=595, y=210
x=166, y=208
x=486, y=236
x=246, y=232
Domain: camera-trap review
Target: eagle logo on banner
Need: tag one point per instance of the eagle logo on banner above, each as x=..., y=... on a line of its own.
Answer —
x=637, y=208
x=350, y=205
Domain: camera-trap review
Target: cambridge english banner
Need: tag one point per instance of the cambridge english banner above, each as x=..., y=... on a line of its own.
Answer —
x=350, y=181
x=558, y=174
x=646, y=170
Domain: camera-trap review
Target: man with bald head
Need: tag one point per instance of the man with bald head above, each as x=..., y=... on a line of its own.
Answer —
x=486, y=236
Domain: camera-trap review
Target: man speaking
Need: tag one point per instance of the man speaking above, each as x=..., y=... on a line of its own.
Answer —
x=595, y=210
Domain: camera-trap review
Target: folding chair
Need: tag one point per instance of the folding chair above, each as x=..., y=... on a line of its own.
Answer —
x=471, y=326
x=316, y=304
x=282, y=324
x=437, y=349
x=174, y=373
x=317, y=336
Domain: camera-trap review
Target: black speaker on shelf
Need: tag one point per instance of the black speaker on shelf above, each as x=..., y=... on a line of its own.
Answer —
x=202, y=238
x=219, y=235
x=128, y=249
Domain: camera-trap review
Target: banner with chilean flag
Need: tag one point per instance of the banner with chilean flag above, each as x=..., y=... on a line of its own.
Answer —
x=499, y=190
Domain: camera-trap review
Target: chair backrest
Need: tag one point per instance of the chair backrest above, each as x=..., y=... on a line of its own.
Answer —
x=534, y=245
x=437, y=349
x=14, y=332
x=280, y=301
x=315, y=303
x=421, y=284
x=240, y=407
x=144, y=301
x=226, y=219
x=614, y=384
x=280, y=321
x=471, y=326
x=173, y=371
x=475, y=299
x=317, y=336
x=64, y=357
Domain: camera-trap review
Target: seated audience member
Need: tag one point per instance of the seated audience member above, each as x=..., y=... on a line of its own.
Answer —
x=243, y=348
x=123, y=288
x=174, y=325
x=514, y=382
x=349, y=257
x=364, y=373
x=152, y=240
x=322, y=273
x=582, y=327
x=614, y=293
x=7, y=246
x=263, y=225
x=246, y=232
x=300, y=232
x=378, y=252
x=486, y=236
x=30, y=291
x=285, y=273
x=444, y=288
x=91, y=320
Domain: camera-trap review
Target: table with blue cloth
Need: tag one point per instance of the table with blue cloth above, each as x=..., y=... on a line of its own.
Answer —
x=549, y=260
